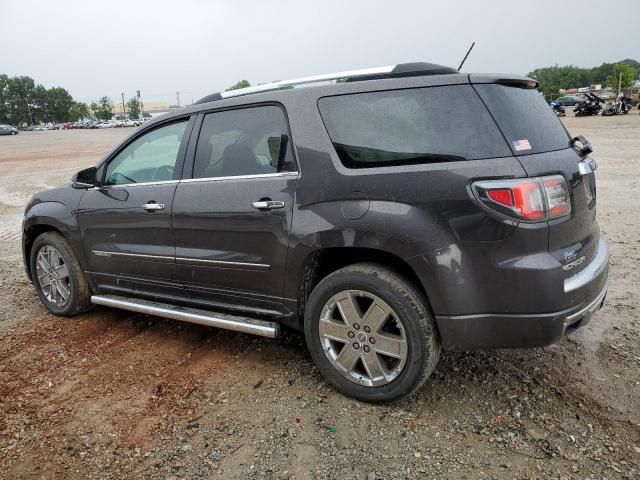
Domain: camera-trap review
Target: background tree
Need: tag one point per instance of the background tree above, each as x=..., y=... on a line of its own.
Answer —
x=58, y=105
x=552, y=79
x=238, y=85
x=4, y=110
x=623, y=70
x=22, y=101
x=134, y=107
x=103, y=110
x=19, y=95
x=78, y=111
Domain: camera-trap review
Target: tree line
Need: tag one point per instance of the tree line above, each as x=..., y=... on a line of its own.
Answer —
x=552, y=79
x=23, y=102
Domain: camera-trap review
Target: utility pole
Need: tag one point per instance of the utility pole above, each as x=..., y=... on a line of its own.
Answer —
x=178, y=98
x=124, y=109
x=141, y=114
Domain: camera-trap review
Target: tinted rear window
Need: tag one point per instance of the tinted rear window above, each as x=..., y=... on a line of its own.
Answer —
x=528, y=123
x=421, y=125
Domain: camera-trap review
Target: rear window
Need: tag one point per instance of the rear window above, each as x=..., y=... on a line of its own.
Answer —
x=401, y=127
x=526, y=120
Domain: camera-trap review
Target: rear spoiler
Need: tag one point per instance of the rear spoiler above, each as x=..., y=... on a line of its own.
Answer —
x=502, y=79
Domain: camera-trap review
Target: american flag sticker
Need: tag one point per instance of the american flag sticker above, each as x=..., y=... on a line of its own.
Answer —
x=521, y=145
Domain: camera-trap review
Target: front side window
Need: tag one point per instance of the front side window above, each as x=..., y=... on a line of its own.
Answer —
x=149, y=158
x=412, y=126
x=247, y=141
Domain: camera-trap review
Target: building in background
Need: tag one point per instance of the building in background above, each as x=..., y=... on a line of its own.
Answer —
x=152, y=108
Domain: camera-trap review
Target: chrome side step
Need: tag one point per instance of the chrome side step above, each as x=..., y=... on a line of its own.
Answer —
x=192, y=315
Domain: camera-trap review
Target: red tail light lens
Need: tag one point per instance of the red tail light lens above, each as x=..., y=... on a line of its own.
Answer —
x=501, y=195
x=531, y=199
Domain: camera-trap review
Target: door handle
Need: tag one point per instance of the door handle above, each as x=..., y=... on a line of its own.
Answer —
x=267, y=204
x=153, y=206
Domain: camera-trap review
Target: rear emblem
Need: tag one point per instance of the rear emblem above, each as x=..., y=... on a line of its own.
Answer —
x=574, y=264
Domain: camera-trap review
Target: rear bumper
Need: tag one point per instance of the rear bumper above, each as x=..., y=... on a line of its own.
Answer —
x=488, y=331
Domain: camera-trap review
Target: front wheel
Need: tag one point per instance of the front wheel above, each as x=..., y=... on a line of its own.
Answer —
x=370, y=333
x=57, y=276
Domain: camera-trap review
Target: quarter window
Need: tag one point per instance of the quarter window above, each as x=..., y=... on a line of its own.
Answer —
x=247, y=141
x=149, y=158
x=401, y=127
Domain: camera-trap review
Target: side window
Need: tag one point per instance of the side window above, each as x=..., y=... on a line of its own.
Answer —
x=411, y=126
x=247, y=141
x=149, y=158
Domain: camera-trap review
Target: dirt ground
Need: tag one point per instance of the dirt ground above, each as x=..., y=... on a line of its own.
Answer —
x=110, y=394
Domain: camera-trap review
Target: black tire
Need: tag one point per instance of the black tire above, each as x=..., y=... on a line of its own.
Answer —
x=79, y=299
x=409, y=305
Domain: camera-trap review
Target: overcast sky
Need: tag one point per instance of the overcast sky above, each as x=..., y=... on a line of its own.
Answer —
x=96, y=48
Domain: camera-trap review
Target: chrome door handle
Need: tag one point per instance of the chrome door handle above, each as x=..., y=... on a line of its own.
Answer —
x=152, y=207
x=267, y=204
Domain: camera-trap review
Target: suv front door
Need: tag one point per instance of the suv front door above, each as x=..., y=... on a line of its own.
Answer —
x=125, y=223
x=232, y=217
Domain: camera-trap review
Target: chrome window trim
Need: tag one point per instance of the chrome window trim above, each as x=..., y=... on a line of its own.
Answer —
x=141, y=184
x=240, y=177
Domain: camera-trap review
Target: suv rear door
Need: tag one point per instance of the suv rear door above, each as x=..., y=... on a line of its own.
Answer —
x=232, y=212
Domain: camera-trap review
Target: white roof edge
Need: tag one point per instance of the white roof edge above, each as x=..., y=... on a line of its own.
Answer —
x=313, y=79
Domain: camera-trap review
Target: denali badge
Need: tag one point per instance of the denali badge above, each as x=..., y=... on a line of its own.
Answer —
x=573, y=264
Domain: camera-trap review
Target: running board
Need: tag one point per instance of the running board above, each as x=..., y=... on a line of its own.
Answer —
x=192, y=315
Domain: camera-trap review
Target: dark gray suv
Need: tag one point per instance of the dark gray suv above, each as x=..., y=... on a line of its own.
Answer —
x=387, y=213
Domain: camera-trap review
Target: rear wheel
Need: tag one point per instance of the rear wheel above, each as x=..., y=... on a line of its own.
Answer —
x=370, y=333
x=57, y=276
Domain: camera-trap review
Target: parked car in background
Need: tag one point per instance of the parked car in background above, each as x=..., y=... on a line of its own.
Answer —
x=139, y=121
x=569, y=100
x=8, y=130
x=392, y=214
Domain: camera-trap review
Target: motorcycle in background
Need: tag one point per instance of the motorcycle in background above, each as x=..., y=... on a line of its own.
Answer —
x=591, y=105
x=621, y=106
x=557, y=108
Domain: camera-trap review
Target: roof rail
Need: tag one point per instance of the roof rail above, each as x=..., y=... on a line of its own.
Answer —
x=393, y=71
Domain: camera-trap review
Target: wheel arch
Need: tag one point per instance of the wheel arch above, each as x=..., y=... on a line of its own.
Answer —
x=29, y=235
x=322, y=262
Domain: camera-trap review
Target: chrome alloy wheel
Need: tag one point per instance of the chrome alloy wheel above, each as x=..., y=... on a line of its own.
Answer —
x=363, y=338
x=53, y=276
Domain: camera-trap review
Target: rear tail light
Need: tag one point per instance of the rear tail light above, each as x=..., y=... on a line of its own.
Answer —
x=530, y=199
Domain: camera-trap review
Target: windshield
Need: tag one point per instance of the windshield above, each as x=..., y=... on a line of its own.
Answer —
x=527, y=122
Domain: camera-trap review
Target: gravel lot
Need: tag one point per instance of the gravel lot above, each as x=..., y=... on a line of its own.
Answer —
x=111, y=394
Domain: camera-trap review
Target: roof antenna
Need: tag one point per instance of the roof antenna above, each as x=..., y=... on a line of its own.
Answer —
x=465, y=57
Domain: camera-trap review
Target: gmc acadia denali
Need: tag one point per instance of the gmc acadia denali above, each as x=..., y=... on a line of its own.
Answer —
x=388, y=213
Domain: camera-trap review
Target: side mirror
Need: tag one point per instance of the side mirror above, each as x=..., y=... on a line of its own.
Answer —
x=85, y=178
